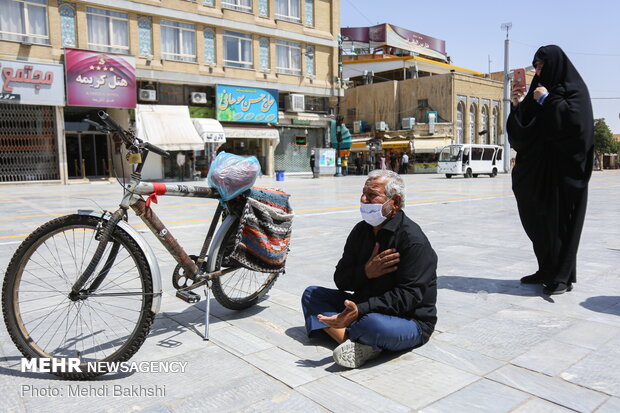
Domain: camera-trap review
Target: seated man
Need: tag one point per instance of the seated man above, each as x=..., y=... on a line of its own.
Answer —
x=390, y=267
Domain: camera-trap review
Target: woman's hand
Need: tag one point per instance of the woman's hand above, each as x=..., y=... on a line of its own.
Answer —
x=539, y=91
x=517, y=94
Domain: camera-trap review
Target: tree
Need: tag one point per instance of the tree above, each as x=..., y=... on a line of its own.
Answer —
x=604, y=141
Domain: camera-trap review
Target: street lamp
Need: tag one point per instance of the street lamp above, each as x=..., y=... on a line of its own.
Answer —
x=507, y=27
x=339, y=117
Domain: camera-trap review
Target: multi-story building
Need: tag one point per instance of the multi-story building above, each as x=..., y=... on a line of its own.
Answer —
x=169, y=59
x=402, y=84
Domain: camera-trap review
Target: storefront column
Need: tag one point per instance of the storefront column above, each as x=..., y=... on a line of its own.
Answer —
x=271, y=148
x=62, y=144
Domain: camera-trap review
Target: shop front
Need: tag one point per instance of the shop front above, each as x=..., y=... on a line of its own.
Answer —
x=248, y=115
x=31, y=139
x=170, y=128
x=97, y=81
x=299, y=135
x=426, y=153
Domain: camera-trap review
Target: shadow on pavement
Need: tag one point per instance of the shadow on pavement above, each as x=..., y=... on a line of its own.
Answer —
x=608, y=304
x=476, y=285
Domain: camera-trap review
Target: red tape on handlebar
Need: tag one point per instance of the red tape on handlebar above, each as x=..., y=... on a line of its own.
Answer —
x=158, y=189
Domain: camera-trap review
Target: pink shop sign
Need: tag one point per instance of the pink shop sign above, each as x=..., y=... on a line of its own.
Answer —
x=100, y=79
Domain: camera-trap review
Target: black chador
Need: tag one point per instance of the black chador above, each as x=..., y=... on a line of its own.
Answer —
x=554, y=145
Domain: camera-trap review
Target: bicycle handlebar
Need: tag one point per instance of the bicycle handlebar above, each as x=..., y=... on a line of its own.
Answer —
x=157, y=150
x=113, y=125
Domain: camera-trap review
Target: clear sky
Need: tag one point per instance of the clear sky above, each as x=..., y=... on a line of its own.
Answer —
x=587, y=31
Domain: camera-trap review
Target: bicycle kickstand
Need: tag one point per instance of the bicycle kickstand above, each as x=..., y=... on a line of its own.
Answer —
x=207, y=309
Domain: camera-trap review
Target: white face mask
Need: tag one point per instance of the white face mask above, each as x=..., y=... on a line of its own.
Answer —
x=372, y=213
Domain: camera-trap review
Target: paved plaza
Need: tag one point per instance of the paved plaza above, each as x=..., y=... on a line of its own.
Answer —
x=498, y=347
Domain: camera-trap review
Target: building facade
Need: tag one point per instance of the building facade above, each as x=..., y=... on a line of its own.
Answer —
x=181, y=53
x=403, y=91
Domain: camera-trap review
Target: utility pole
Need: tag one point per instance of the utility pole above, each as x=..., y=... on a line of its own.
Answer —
x=339, y=117
x=507, y=27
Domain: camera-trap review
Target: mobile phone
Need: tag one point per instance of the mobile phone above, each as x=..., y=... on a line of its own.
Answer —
x=518, y=78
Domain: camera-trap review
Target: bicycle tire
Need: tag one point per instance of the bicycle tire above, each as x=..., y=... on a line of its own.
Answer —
x=243, y=287
x=43, y=260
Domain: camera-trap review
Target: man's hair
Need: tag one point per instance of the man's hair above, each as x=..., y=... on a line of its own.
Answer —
x=394, y=185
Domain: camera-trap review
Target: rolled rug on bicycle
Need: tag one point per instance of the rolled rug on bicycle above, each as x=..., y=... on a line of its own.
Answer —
x=263, y=238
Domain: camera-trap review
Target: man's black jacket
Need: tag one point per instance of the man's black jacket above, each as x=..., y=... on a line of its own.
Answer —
x=410, y=291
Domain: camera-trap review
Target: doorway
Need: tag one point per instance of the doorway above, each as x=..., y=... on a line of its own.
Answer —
x=88, y=155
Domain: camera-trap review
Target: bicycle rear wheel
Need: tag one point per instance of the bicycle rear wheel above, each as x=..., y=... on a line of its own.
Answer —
x=45, y=322
x=242, y=287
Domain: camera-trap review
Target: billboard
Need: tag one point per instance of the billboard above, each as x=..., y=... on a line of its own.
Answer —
x=243, y=104
x=32, y=83
x=100, y=79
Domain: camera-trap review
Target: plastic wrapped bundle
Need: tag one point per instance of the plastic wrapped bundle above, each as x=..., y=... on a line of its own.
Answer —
x=231, y=174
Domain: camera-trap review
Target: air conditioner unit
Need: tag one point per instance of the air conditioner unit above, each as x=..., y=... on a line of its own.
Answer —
x=147, y=95
x=381, y=126
x=408, y=123
x=295, y=103
x=199, y=97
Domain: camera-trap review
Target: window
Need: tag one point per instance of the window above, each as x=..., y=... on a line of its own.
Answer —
x=288, y=57
x=486, y=138
x=24, y=21
x=476, y=154
x=422, y=103
x=495, y=126
x=240, y=5
x=459, y=123
x=488, y=154
x=107, y=30
x=288, y=10
x=472, y=123
x=237, y=49
x=178, y=41
x=320, y=104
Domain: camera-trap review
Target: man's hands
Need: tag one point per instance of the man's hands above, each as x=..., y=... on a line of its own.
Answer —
x=343, y=319
x=381, y=263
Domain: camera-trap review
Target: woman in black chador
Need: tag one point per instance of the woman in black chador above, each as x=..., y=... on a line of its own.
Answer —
x=551, y=128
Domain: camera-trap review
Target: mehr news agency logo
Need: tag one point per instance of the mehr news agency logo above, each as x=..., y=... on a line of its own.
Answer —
x=75, y=365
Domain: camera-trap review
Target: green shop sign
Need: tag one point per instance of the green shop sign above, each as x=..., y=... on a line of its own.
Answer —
x=243, y=104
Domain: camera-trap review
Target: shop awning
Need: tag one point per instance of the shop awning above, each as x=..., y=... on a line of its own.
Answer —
x=168, y=127
x=397, y=144
x=210, y=130
x=430, y=145
x=253, y=133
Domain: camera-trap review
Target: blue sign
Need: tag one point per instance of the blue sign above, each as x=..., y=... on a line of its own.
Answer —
x=245, y=104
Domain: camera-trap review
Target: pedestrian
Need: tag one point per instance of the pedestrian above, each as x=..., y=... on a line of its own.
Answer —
x=358, y=164
x=382, y=162
x=345, y=165
x=393, y=161
x=181, y=165
x=312, y=163
x=551, y=129
x=404, y=163
x=391, y=268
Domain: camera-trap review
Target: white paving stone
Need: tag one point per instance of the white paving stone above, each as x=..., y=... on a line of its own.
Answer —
x=471, y=399
x=549, y=388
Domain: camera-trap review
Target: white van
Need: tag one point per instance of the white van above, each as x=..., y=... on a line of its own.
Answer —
x=470, y=160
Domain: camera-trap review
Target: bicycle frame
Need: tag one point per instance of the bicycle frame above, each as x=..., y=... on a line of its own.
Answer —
x=133, y=199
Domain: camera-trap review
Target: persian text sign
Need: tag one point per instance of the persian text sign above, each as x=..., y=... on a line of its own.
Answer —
x=242, y=104
x=31, y=83
x=100, y=79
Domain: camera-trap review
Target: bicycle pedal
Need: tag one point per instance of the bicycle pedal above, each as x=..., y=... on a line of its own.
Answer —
x=188, y=296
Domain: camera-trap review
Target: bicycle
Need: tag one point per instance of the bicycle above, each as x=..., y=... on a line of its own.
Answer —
x=88, y=286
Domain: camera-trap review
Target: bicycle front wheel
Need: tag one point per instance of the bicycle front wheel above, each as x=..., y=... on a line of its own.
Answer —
x=44, y=321
x=240, y=288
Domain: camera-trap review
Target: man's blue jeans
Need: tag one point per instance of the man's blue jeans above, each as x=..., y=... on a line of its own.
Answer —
x=382, y=332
